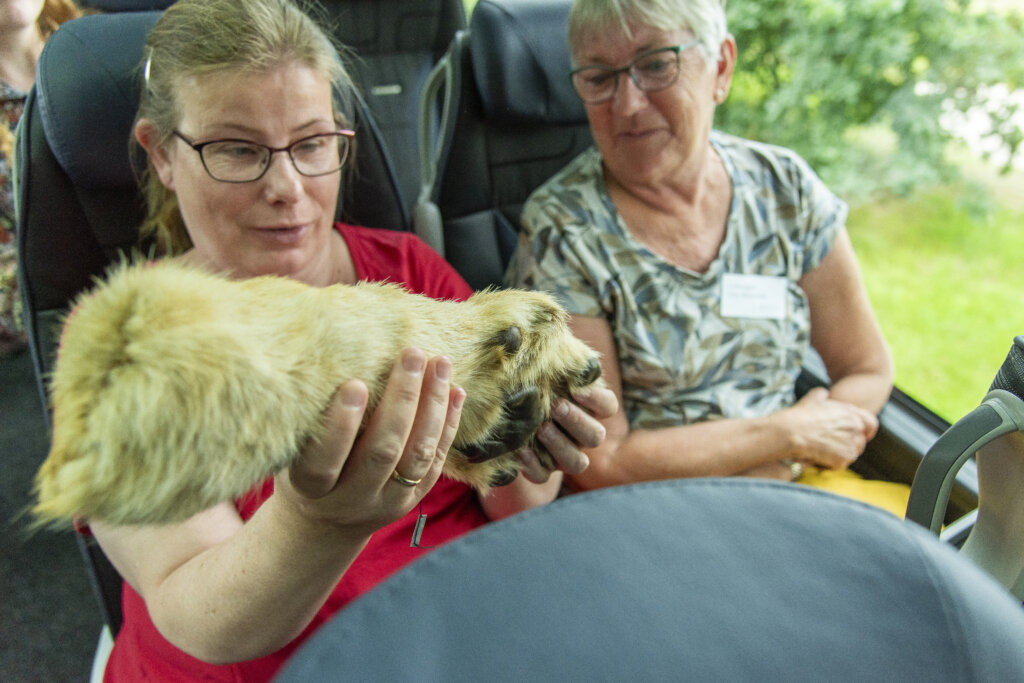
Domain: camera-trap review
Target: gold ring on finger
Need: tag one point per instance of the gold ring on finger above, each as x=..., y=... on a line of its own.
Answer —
x=404, y=481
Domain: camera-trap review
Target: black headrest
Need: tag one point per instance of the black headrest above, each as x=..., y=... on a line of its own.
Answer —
x=394, y=27
x=125, y=5
x=87, y=111
x=521, y=61
x=1011, y=375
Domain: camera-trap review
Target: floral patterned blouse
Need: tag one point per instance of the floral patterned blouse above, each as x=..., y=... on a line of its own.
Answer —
x=728, y=342
x=12, y=103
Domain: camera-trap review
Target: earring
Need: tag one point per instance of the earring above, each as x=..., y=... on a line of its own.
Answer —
x=719, y=95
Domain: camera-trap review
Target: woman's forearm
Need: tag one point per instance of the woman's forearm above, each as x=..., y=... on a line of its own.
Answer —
x=868, y=390
x=817, y=430
x=706, y=449
x=248, y=594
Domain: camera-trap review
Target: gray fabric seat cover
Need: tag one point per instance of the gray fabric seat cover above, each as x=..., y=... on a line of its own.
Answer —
x=713, y=579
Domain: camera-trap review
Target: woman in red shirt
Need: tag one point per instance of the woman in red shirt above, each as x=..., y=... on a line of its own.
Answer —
x=235, y=112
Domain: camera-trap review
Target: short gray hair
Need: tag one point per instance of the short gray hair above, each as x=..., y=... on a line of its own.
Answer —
x=705, y=18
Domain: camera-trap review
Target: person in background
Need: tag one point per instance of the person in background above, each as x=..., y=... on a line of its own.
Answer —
x=246, y=146
x=24, y=27
x=702, y=266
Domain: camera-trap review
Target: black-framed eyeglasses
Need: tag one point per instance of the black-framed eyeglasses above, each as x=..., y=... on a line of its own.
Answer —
x=243, y=161
x=653, y=70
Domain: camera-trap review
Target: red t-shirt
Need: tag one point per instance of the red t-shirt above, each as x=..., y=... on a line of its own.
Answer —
x=141, y=653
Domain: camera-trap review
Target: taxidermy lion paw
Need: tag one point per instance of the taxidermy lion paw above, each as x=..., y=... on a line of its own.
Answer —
x=175, y=389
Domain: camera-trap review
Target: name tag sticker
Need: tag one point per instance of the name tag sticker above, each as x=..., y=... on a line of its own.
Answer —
x=754, y=296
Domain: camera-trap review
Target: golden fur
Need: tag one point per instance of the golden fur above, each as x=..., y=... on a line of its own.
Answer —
x=176, y=389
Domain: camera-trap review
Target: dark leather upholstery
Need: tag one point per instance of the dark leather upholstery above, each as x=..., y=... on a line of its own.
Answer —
x=690, y=580
x=520, y=58
x=125, y=5
x=396, y=42
x=514, y=122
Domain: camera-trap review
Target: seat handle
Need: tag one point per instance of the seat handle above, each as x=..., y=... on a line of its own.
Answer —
x=427, y=221
x=994, y=433
x=999, y=414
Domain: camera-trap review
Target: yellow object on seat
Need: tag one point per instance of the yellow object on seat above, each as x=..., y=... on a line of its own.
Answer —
x=887, y=495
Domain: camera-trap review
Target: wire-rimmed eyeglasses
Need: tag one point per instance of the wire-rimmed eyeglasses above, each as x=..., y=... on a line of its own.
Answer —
x=653, y=70
x=243, y=161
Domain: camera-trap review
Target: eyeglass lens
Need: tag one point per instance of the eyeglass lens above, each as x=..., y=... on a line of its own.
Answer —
x=655, y=70
x=241, y=161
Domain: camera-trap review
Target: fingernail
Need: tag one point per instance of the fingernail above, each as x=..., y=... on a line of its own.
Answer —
x=353, y=395
x=413, y=360
x=443, y=369
x=458, y=397
x=561, y=408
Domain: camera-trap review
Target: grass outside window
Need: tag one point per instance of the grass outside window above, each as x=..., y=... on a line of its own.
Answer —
x=945, y=273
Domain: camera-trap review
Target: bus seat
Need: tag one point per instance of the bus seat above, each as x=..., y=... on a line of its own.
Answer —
x=78, y=202
x=509, y=120
x=395, y=45
x=696, y=579
x=993, y=434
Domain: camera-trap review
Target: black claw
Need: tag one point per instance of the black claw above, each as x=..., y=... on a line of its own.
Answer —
x=511, y=339
x=591, y=372
x=483, y=451
x=503, y=478
x=523, y=404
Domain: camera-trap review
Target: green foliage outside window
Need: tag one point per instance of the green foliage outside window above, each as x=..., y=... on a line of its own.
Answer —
x=858, y=88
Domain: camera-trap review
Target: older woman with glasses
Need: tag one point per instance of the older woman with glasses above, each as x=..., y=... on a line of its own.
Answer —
x=246, y=144
x=701, y=265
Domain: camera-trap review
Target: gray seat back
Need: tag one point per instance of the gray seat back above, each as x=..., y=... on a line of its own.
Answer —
x=688, y=580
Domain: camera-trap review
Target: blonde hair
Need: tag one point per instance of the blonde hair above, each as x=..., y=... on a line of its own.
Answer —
x=199, y=37
x=705, y=18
